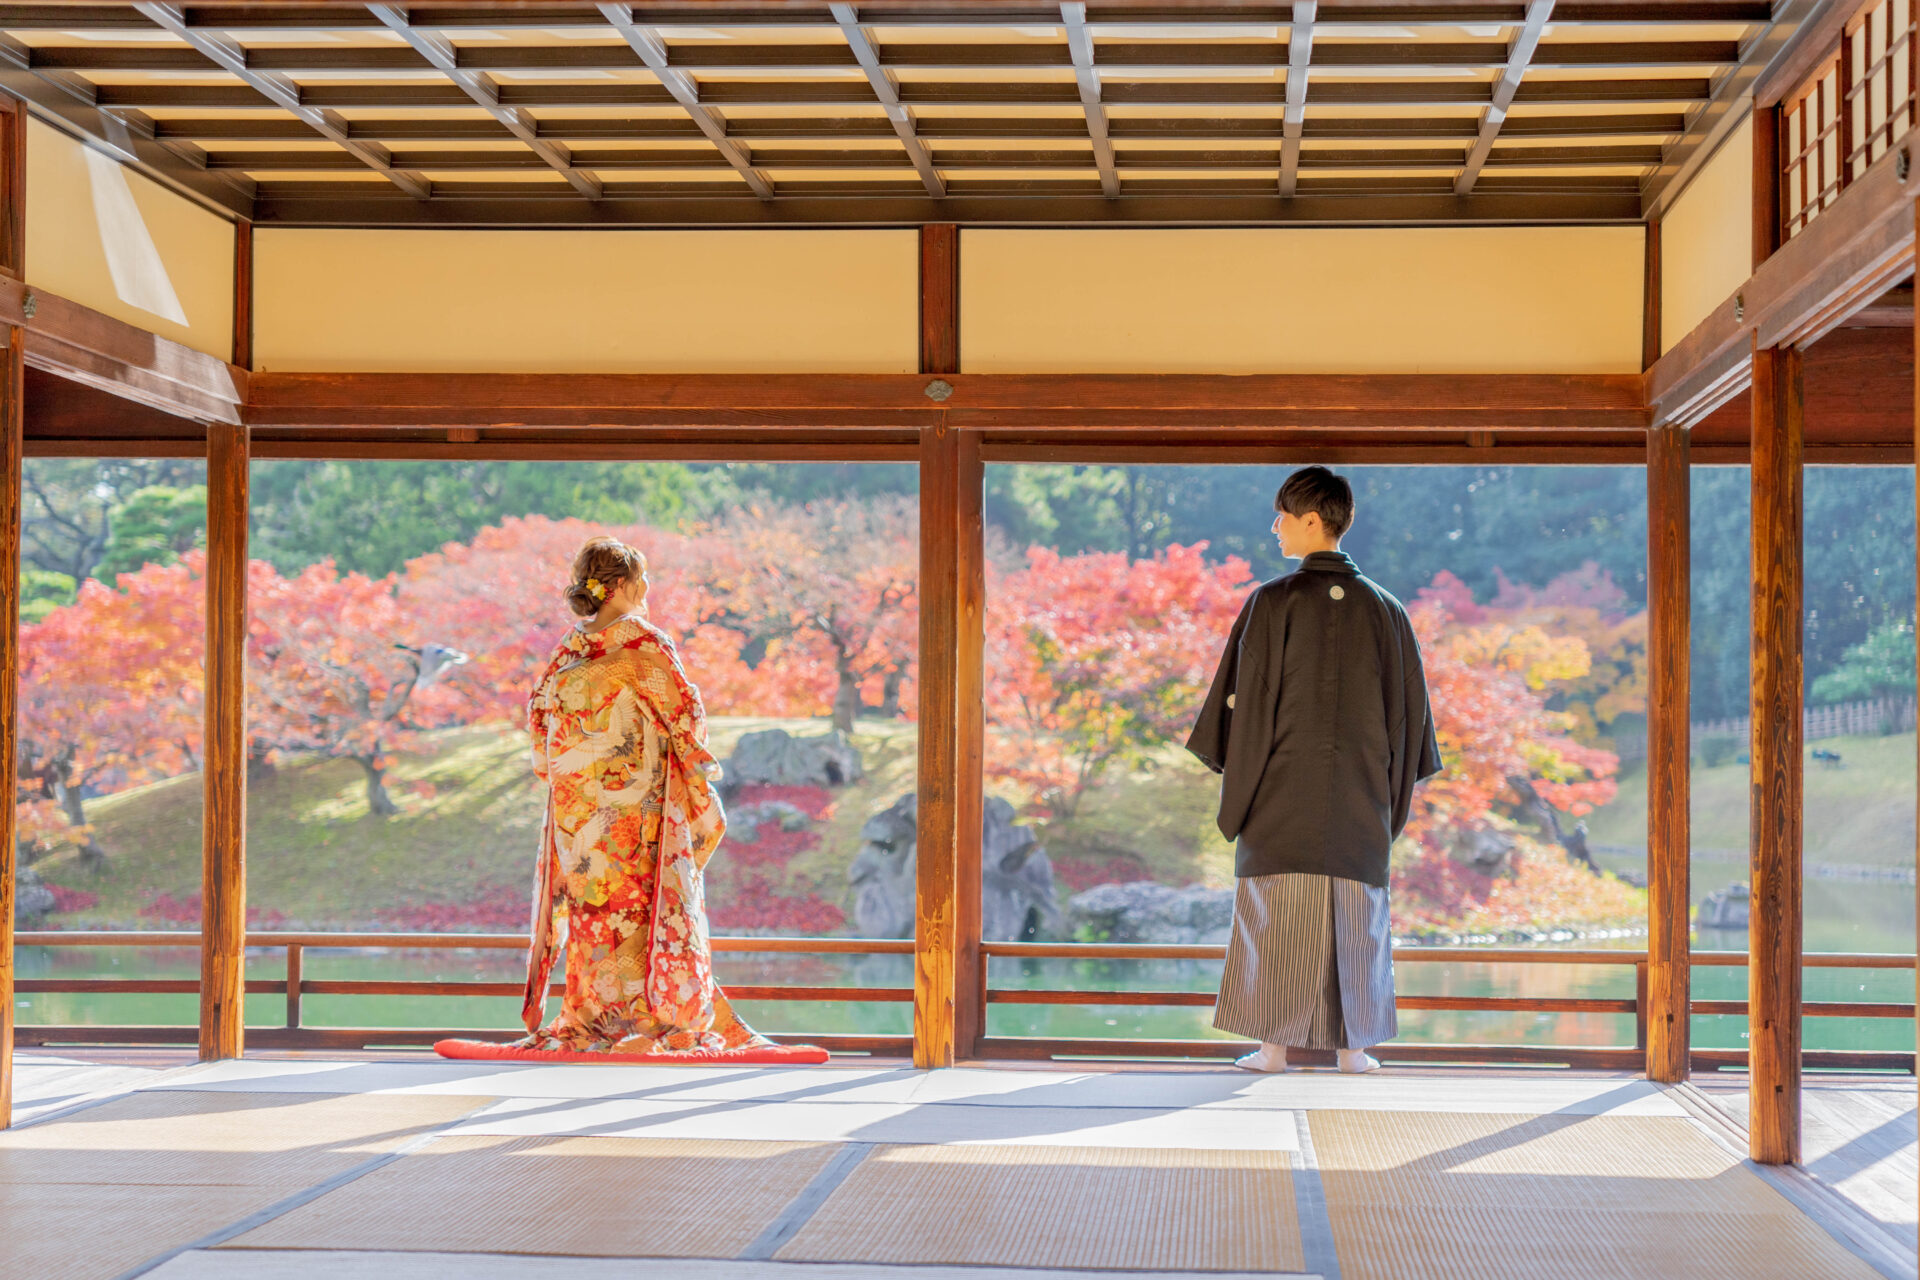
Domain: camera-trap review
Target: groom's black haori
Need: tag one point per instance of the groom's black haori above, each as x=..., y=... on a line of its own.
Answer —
x=1319, y=724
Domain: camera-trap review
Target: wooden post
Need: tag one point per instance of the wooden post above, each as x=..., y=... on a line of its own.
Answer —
x=223, y=865
x=1774, y=933
x=13, y=187
x=1767, y=228
x=12, y=430
x=969, y=788
x=936, y=870
x=1668, y=979
x=243, y=293
x=940, y=299
x=1650, y=350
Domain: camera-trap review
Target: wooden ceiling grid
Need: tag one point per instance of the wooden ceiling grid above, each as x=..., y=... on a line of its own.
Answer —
x=839, y=112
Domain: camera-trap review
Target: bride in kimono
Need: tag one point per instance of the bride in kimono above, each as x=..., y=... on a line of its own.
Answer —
x=620, y=739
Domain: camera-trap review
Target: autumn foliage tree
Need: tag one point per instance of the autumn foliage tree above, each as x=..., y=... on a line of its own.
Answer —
x=110, y=696
x=1097, y=659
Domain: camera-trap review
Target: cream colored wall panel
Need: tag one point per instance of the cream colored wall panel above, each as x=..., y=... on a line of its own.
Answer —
x=104, y=236
x=1303, y=300
x=587, y=301
x=1706, y=238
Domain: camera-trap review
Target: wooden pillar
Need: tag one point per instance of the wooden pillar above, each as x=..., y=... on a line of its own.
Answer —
x=13, y=372
x=1774, y=934
x=1650, y=299
x=1768, y=230
x=12, y=430
x=936, y=869
x=969, y=789
x=223, y=866
x=243, y=293
x=940, y=299
x=1669, y=984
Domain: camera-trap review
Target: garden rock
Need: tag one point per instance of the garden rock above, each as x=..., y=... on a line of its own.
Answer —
x=32, y=899
x=1488, y=852
x=1726, y=908
x=1016, y=878
x=1144, y=911
x=745, y=821
x=775, y=757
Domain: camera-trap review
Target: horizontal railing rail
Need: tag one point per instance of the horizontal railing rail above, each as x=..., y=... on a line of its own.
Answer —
x=295, y=986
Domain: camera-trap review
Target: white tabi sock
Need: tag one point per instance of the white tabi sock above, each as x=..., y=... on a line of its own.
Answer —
x=1268, y=1057
x=1358, y=1062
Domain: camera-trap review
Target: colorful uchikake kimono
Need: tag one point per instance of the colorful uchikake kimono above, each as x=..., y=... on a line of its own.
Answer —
x=620, y=738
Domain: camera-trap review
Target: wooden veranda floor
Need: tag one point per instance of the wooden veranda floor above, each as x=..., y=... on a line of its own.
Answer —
x=396, y=1167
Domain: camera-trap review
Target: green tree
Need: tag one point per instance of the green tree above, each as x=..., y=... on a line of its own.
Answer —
x=1880, y=666
x=154, y=526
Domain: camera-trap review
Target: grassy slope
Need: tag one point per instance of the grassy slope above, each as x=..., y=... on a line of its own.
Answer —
x=470, y=818
x=1860, y=814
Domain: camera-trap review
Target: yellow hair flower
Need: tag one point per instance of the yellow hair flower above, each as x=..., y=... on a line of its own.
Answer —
x=598, y=591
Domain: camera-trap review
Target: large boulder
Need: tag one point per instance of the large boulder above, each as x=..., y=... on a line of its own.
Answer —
x=775, y=757
x=1016, y=878
x=1144, y=911
x=32, y=899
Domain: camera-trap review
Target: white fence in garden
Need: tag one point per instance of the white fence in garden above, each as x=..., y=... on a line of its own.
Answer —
x=1841, y=720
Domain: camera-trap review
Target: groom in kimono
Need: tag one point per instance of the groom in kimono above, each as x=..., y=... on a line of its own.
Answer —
x=1319, y=726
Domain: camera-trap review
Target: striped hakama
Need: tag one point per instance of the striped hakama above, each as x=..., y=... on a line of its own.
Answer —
x=1310, y=964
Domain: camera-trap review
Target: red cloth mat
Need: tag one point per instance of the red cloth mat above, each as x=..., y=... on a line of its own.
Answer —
x=783, y=1055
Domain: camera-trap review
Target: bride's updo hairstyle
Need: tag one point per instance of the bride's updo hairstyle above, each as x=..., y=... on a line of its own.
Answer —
x=603, y=566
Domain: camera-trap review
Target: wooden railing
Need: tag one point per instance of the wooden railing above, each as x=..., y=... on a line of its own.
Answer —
x=295, y=1034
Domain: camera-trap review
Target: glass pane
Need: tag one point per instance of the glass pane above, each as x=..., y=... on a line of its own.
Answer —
x=402, y=612
x=111, y=605
x=1110, y=594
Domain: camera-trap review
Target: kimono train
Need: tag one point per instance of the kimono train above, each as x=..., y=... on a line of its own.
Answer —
x=620, y=738
x=1319, y=725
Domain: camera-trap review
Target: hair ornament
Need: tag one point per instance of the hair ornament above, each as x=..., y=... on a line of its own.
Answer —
x=596, y=588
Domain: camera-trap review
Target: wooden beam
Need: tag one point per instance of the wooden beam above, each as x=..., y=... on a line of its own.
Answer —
x=12, y=450
x=940, y=299
x=1774, y=939
x=1526, y=43
x=1669, y=848
x=937, y=865
x=243, y=294
x=1650, y=128
x=898, y=115
x=281, y=90
x=88, y=346
x=685, y=90
x=1073, y=16
x=1059, y=402
x=445, y=58
x=223, y=864
x=970, y=746
x=1299, y=58
x=1650, y=299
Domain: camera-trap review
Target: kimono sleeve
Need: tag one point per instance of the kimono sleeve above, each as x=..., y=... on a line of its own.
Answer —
x=1415, y=747
x=1235, y=732
x=537, y=730
x=675, y=703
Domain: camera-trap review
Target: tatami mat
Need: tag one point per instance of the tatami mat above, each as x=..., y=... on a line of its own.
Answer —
x=1464, y=1197
x=104, y=1189
x=1060, y=1207
x=589, y=1196
x=810, y=1121
x=1396, y=1088
x=308, y=1264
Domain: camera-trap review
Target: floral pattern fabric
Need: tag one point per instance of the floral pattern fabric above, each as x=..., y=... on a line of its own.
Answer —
x=620, y=738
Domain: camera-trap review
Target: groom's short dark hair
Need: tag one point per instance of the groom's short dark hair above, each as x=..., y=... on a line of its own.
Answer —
x=1320, y=491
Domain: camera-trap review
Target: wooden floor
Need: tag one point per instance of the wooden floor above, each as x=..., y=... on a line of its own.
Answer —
x=1859, y=1138
x=309, y=1167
